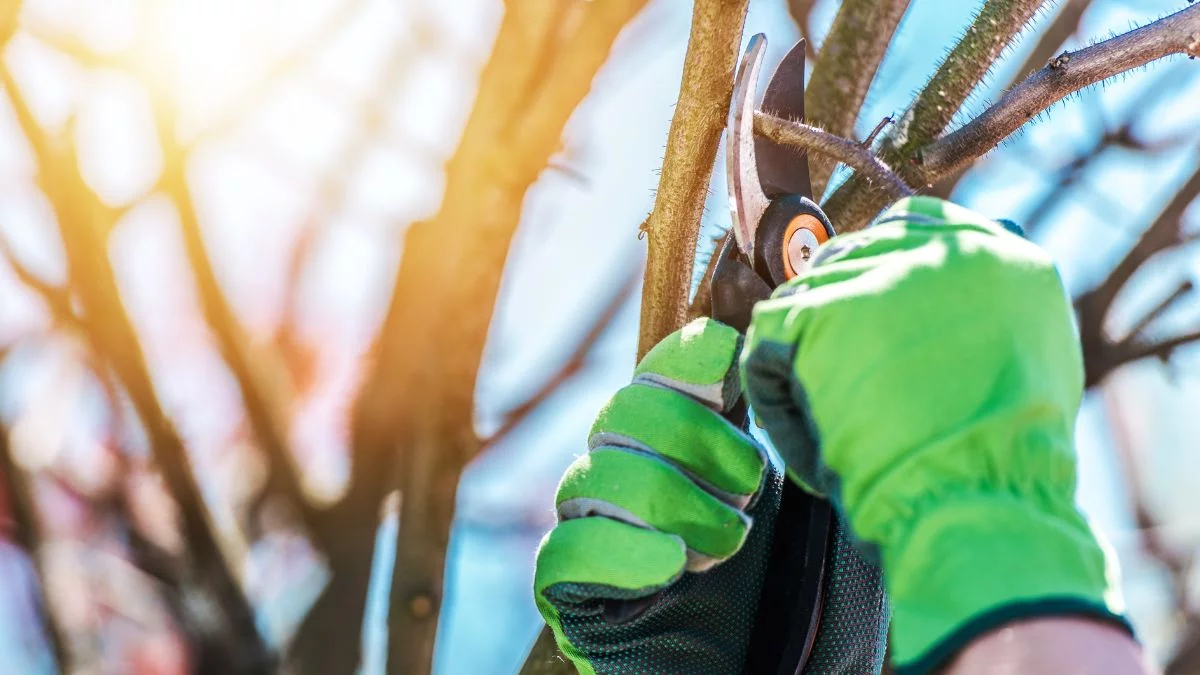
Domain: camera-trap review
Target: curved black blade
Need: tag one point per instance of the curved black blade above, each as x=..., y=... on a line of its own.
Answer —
x=783, y=170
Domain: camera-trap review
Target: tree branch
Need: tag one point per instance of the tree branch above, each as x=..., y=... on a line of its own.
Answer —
x=858, y=157
x=1156, y=311
x=855, y=203
x=56, y=299
x=16, y=494
x=1176, y=566
x=1066, y=23
x=111, y=333
x=701, y=304
x=1178, y=33
x=850, y=56
x=1101, y=356
x=523, y=125
x=674, y=224
x=259, y=376
x=801, y=11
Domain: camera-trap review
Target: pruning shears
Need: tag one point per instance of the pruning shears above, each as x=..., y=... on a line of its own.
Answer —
x=776, y=229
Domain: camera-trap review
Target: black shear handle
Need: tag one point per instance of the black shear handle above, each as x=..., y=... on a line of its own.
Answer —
x=789, y=607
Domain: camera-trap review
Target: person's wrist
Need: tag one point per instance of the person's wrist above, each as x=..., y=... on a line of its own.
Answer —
x=972, y=562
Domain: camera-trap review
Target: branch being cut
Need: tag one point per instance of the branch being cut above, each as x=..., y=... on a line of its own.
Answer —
x=998, y=23
x=674, y=224
x=1067, y=73
x=850, y=57
x=855, y=155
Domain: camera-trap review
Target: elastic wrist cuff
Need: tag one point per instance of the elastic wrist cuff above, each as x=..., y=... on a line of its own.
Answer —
x=950, y=645
x=974, y=562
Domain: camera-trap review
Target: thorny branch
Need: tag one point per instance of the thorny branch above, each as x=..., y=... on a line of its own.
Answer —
x=858, y=157
x=998, y=23
x=850, y=56
x=1050, y=40
x=1069, y=72
x=674, y=224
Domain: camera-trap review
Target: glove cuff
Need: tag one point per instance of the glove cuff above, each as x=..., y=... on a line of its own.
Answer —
x=972, y=563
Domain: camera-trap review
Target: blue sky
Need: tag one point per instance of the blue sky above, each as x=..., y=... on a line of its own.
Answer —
x=257, y=180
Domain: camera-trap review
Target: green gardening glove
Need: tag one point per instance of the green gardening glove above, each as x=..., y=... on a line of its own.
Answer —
x=656, y=563
x=925, y=375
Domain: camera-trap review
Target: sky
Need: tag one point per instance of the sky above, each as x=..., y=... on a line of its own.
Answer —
x=261, y=169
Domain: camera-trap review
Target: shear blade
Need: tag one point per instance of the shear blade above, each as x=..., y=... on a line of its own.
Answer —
x=747, y=202
x=783, y=169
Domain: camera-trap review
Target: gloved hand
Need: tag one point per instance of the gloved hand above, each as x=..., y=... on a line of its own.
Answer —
x=659, y=558
x=660, y=552
x=925, y=375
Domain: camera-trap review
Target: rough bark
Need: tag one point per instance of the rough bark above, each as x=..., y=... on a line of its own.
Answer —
x=674, y=225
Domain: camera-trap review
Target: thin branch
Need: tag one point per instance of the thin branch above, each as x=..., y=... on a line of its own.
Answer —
x=701, y=304
x=260, y=376
x=1162, y=234
x=1137, y=350
x=1101, y=356
x=998, y=23
x=17, y=495
x=1185, y=287
x=111, y=333
x=56, y=299
x=1050, y=40
x=674, y=224
x=574, y=365
x=1176, y=566
x=1178, y=33
x=850, y=56
x=861, y=159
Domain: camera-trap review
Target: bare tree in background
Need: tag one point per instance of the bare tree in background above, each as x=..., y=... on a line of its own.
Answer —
x=412, y=430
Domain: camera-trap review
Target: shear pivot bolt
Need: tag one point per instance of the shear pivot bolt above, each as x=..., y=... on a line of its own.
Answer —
x=802, y=242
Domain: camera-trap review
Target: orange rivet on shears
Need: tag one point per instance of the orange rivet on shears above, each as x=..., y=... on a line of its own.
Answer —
x=801, y=239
